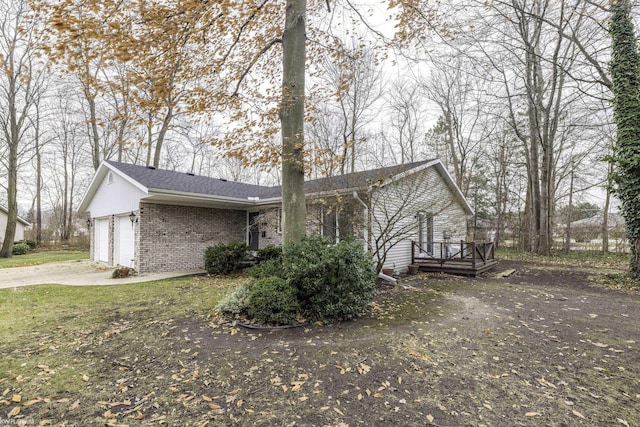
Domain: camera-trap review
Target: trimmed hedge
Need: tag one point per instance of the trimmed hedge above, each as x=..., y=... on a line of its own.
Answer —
x=269, y=252
x=30, y=243
x=269, y=268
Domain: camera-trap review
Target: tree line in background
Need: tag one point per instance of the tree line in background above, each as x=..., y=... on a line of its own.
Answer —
x=513, y=95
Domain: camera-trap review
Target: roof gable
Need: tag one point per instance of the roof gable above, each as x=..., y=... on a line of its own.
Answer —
x=20, y=220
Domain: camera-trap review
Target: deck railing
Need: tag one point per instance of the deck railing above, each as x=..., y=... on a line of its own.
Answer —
x=475, y=253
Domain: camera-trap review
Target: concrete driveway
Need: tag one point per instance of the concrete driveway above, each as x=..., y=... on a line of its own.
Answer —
x=75, y=273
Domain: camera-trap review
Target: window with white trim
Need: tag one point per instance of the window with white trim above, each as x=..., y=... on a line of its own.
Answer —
x=278, y=220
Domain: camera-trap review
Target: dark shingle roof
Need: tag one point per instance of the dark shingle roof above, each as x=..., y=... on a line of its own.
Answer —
x=358, y=179
x=162, y=179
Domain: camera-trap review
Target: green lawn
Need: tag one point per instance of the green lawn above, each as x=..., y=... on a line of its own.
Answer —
x=50, y=338
x=37, y=258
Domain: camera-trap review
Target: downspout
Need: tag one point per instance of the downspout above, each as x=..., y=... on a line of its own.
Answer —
x=366, y=220
x=366, y=236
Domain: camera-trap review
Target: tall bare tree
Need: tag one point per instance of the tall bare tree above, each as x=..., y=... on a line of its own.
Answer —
x=405, y=129
x=461, y=98
x=353, y=76
x=20, y=90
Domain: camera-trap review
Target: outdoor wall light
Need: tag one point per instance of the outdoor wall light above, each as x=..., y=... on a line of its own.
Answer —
x=133, y=218
x=88, y=222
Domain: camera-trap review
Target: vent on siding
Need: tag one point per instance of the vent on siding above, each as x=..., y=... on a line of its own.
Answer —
x=110, y=178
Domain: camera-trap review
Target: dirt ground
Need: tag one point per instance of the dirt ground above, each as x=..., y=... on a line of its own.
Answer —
x=542, y=347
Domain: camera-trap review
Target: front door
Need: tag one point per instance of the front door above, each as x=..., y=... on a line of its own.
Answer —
x=254, y=230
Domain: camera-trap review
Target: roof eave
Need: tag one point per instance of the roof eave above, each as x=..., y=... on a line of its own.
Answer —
x=247, y=202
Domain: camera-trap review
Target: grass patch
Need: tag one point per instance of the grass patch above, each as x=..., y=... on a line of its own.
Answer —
x=612, y=260
x=37, y=258
x=65, y=348
x=625, y=281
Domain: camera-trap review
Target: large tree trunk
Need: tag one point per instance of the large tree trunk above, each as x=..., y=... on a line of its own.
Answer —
x=93, y=122
x=12, y=133
x=161, y=135
x=12, y=202
x=292, y=122
x=624, y=65
x=605, y=212
x=38, y=213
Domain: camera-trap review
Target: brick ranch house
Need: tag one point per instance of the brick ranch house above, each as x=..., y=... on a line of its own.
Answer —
x=159, y=220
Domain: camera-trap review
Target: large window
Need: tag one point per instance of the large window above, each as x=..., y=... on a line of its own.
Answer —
x=337, y=224
x=425, y=236
x=278, y=220
x=330, y=225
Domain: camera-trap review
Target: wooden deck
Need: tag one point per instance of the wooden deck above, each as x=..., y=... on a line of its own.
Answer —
x=464, y=258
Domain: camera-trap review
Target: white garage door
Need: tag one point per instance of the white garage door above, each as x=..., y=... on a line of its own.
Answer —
x=101, y=240
x=124, y=242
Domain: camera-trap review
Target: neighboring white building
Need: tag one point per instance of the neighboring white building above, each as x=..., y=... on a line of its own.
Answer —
x=20, y=225
x=159, y=220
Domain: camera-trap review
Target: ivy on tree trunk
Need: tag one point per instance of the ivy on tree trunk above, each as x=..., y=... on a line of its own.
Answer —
x=625, y=69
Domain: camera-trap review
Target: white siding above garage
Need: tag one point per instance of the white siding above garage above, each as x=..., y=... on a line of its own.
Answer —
x=115, y=195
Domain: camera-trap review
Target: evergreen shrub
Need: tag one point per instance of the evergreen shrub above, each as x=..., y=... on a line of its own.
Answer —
x=20, y=249
x=225, y=258
x=272, y=300
x=332, y=281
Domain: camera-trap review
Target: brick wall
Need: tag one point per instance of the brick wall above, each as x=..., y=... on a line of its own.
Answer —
x=269, y=227
x=173, y=238
x=92, y=240
x=111, y=234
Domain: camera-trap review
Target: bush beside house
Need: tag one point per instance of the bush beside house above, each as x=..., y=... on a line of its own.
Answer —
x=20, y=249
x=317, y=280
x=225, y=258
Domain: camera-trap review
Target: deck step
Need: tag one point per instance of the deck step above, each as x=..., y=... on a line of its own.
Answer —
x=459, y=267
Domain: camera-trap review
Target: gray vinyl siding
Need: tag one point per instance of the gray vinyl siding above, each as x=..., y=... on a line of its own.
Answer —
x=395, y=208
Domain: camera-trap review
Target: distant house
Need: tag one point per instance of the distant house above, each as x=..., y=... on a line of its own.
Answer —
x=20, y=225
x=160, y=220
x=588, y=229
